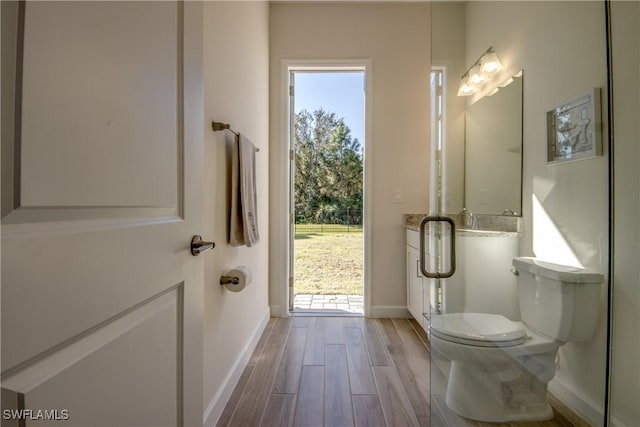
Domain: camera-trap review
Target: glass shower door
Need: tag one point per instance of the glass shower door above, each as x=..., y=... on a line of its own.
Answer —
x=497, y=355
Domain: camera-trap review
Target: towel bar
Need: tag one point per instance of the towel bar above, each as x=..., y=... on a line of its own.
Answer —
x=218, y=126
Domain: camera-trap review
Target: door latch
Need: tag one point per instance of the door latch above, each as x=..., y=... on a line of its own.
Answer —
x=199, y=246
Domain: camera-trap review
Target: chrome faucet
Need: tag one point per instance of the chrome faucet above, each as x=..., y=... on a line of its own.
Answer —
x=468, y=219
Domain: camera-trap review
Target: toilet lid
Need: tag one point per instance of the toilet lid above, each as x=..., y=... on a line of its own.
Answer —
x=477, y=329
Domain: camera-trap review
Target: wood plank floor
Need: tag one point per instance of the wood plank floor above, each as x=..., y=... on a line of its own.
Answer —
x=346, y=371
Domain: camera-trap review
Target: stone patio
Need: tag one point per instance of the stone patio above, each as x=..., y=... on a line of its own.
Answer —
x=329, y=303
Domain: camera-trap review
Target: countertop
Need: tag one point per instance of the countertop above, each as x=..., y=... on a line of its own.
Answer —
x=488, y=225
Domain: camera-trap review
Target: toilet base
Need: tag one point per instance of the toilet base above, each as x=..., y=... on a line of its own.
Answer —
x=511, y=395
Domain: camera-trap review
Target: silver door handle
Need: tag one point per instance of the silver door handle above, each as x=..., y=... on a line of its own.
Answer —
x=452, y=248
x=199, y=246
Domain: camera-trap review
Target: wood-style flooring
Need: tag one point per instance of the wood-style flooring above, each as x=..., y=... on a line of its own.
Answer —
x=344, y=371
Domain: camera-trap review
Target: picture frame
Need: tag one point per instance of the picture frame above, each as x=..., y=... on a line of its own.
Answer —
x=574, y=129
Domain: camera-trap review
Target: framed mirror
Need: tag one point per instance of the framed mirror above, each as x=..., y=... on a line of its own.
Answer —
x=493, y=151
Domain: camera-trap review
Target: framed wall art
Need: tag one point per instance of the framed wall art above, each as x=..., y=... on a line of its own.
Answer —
x=574, y=129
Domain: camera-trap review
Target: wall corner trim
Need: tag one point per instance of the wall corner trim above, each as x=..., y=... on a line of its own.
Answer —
x=219, y=401
x=277, y=311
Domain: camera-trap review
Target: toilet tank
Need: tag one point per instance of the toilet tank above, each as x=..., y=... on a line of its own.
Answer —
x=560, y=301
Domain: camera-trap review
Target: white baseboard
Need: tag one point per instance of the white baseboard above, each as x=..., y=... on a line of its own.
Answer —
x=615, y=422
x=583, y=406
x=393, y=311
x=218, y=402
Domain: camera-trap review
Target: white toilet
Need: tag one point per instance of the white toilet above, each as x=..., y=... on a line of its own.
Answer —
x=500, y=368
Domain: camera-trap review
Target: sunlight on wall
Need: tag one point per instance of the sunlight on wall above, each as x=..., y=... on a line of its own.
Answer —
x=548, y=242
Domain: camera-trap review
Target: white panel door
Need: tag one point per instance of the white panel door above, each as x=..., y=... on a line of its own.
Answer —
x=102, y=123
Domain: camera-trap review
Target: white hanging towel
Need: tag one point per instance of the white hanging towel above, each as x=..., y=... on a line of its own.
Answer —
x=243, y=217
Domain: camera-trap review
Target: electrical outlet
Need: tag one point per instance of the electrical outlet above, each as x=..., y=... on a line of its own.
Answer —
x=397, y=196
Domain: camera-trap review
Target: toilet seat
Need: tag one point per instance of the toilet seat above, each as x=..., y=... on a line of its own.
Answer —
x=477, y=329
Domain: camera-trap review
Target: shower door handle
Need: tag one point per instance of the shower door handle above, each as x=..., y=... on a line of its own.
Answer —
x=452, y=247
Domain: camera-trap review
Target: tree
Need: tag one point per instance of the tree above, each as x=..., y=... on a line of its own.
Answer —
x=328, y=170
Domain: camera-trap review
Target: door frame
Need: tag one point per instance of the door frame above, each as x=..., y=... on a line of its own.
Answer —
x=283, y=205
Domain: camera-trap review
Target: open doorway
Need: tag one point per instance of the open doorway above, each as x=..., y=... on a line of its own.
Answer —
x=327, y=131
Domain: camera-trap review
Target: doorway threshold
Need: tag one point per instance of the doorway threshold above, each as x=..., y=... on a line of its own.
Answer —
x=333, y=305
x=324, y=313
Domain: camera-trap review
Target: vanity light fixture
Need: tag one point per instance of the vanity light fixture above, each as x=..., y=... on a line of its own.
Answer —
x=490, y=62
x=475, y=75
x=480, y=73
x=466, y=88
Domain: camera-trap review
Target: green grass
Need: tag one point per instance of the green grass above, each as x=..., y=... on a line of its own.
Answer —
x=328, y=263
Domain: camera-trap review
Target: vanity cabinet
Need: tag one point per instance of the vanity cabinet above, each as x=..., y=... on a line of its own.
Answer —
x=482, y=283
x=414, y=284
x=418, y=286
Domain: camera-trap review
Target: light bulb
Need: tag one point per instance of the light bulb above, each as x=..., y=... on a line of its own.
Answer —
x=475, y=76
x=490, y=63
x=466, y=88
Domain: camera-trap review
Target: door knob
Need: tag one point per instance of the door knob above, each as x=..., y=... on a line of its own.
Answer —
x=199, y=246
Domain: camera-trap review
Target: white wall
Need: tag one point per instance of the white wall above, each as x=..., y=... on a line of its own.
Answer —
x=625, y=381
x=561, y=47
x=236, y=36
x=395, y=37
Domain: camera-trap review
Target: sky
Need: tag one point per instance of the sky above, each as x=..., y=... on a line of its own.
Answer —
x=336, y=92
